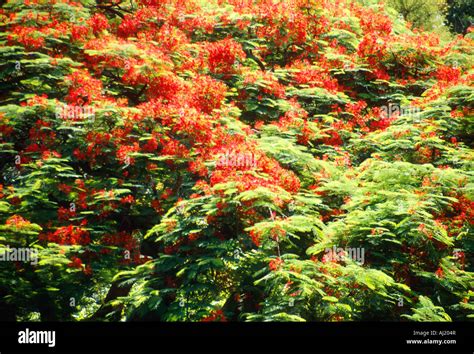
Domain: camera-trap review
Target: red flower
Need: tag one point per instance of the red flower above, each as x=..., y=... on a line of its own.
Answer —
x=223, y=55
x=193, y=236
x=334, y=139
x=79, y=32
x=65, y=188
x=68, y=235
x=98, y=22
x=83, y=88
x=17, y=221
x=88, y=270
x=215, y=316
x=129, y=26
x=275, y=264
x=448, y=74
x=439, y=273
x=156, y=204
x=208, y=93
x=65, y=214
x=124, y=151
x=76, y=262
x=29, y=37
x=151, y=145
x=129, y=199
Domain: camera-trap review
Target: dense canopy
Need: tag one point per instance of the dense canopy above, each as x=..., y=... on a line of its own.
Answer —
x=234, y=160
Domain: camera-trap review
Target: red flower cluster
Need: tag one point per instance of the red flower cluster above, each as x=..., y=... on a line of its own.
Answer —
x=76, y=262
x=223, y=56
x=83, y=89
x=67, y=235
x=98, y=23
x=215, y=316
x=17, y=221
x=29, y=37
x=275, y=264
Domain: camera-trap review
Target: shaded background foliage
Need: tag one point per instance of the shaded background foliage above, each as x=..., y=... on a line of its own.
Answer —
x=460, y=15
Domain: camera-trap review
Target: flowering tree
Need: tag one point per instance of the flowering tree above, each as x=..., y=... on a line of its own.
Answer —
x=234, y=160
